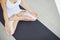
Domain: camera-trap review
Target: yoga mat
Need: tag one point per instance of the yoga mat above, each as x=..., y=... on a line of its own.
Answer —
x=33, y=31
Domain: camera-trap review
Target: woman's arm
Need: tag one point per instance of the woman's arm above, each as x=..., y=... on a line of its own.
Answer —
x=3, y=4
x=25, y=5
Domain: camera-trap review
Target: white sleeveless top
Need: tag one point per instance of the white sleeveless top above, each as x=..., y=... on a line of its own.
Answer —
x=13, y=8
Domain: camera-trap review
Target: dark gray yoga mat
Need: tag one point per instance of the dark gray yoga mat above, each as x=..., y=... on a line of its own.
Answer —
x=33, y=31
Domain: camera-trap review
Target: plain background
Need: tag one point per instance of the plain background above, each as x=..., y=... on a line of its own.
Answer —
x=48, y=13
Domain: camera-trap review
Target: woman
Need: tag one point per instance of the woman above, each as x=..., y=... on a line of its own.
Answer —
x=13, y=14
x=26, y=30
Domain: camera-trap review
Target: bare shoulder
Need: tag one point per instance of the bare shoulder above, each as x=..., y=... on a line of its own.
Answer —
x=3, y=2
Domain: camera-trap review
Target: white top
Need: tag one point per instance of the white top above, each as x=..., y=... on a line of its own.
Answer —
x=13, y=8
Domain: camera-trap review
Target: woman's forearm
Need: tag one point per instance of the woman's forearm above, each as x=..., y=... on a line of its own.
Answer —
x=5, y=17
x=7, y=27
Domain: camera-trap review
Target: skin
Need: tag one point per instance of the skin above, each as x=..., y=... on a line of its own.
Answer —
x=16, y=17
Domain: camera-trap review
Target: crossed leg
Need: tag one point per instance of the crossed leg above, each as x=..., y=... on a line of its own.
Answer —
x=23, y=17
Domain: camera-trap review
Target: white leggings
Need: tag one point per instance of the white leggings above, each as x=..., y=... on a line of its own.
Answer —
x=11, y=22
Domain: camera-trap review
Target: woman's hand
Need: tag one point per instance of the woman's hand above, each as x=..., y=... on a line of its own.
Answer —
x=8, y=30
